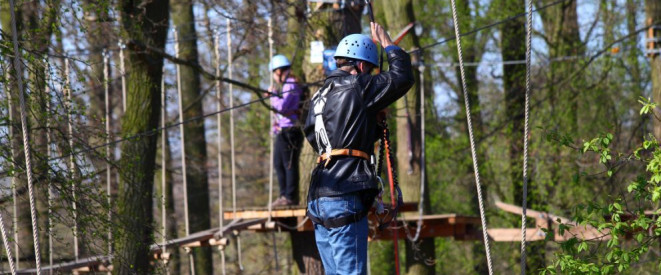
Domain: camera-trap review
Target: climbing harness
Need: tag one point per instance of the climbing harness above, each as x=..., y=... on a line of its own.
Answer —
x=525, y=138
x=325, y=157
x=472, y=139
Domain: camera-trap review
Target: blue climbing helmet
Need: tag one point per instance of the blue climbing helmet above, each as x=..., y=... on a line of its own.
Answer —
x=279, y=61
x=358, y=46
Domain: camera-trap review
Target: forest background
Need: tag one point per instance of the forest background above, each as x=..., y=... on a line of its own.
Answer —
x=593, y=155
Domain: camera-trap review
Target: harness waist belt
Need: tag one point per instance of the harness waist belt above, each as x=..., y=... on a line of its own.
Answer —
x=343, y=152
x=339, y=221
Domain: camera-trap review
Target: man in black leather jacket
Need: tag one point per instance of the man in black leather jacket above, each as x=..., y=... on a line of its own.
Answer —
x=341, y=126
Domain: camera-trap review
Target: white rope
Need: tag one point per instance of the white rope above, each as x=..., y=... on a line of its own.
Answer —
x=26, y=143
x=72, y=168
x=423, y=159
x=108, y=148
x=164, y=136
x=13, y=187
x=183, y=150
x=231, y=95
x=13, y=184
x=472, y=139
x=271, y=141
x=121, y=67
x=270, y=207
x=219, y=98
x=6, y=243
x=525, y=138
x=50, y=183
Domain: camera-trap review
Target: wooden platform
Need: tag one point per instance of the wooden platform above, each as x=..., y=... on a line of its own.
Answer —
x=293, y=218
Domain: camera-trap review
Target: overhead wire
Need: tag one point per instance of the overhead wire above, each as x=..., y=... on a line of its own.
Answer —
x=486, y=26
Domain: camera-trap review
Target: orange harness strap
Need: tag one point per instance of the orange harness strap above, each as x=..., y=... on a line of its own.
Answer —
x=342, y=152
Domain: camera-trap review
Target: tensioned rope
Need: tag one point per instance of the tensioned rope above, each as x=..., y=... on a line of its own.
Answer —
x=472, y=139
x=270, y=207
x=48, y=154
x=72, y=168
x=122, y=67
x=271, y=141
x=14, y=194
x=423, y=160
x=219, y=98
x=26, y=142
x=525, y=137
x=182, y=143
x=164, y=136
x=232, y=160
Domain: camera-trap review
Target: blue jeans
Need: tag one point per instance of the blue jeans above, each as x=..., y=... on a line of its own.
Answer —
x=343, y=249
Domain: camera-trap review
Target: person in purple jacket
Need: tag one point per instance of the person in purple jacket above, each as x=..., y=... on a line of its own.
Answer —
x=285, y=99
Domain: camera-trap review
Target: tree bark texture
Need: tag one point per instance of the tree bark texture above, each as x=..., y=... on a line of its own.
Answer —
x=653, y=13
x=144, y=23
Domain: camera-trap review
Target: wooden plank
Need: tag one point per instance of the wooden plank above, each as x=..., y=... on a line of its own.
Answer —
x=289, y=212
x=514, y=234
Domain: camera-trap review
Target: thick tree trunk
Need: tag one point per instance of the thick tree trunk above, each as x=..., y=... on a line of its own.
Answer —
x=399, y=13
x=195, y=141
x=653, y=12
x=144, y=23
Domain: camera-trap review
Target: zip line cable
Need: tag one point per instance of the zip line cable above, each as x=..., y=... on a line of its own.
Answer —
x=525, y=137
x=26, y=142
x=472, y=140
x=486, y=26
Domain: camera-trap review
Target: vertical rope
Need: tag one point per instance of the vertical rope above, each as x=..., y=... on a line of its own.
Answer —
x=183, y=149
x=108, y=148
x=423, y=159
x=72, y=168
x=472, y=139
x=2, y=222
x=231, y=95
x=219, y=99
x=6, y=243
x=525, y=138
x=271, y=141
x=270, y=23
x=164, y=136
x=26, y=138
x=13, y=188
x=121, y=67
x=50, y=182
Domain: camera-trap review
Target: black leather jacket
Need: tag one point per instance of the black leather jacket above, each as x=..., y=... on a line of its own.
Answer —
x=350, y=120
